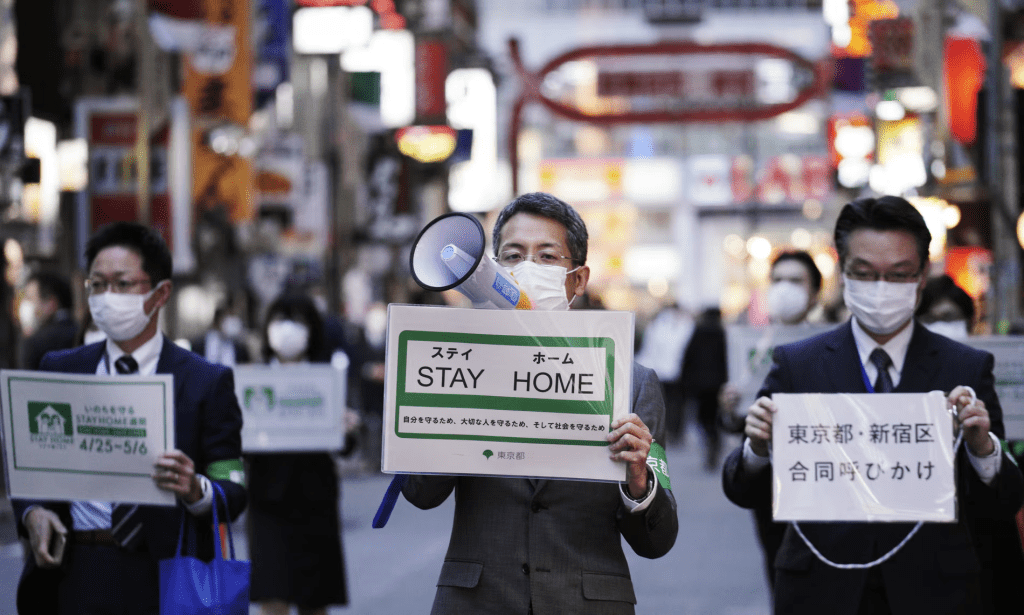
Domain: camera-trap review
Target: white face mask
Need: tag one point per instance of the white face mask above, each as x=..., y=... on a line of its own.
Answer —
x=880, y=307
x=231, y=326
x=288, y=339
x=121, y=316
x=953, y=329
x=787, y=302
x=543, y=284
x=27, y=317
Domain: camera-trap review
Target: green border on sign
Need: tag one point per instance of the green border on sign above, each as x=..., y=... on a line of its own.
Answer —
x=494, y=402
x=10, y=405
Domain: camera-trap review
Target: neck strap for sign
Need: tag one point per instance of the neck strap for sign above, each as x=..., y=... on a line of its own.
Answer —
x=917, y=526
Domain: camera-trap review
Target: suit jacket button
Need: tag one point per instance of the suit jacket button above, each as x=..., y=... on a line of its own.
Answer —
x=526, y=569
x=535, y=507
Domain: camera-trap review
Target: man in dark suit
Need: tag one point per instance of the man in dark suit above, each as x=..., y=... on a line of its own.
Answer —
x=883, y=254
x=46, y=320
x=110, y=562
x=553, y=546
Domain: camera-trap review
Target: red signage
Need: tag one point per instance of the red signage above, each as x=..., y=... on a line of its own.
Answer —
x=431, y=72
x=667, y=96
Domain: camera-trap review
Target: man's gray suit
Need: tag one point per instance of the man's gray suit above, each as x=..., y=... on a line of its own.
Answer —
x=550, y=545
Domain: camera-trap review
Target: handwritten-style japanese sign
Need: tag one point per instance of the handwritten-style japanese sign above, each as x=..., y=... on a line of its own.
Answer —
x=505, y=392
x=863, y=457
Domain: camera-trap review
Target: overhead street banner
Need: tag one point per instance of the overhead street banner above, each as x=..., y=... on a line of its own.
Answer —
x=291, y=407
x=505, y=392
x=863, y=457
x=86, y=437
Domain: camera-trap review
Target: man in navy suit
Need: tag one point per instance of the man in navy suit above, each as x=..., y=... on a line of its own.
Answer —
x=883, y=255
x=110, y=562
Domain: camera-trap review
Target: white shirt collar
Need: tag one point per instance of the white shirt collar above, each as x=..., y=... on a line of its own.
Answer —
x=147, y=355
x=896, y=348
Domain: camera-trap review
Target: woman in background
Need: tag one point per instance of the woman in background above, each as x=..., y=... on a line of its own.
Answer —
x=295, y=533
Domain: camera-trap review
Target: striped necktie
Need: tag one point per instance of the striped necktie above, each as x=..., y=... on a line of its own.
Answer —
x=126, y=528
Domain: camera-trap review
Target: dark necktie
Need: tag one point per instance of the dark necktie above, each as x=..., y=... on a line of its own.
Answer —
x=126, y=365
x=125, y=525
x=881, y=360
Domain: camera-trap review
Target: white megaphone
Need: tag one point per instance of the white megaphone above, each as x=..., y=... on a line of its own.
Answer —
x=449, y=253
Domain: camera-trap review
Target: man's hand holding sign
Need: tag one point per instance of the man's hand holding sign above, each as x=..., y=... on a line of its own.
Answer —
x=631, y=443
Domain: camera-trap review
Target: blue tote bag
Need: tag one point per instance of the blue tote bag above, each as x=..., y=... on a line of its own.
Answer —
x=190, y=586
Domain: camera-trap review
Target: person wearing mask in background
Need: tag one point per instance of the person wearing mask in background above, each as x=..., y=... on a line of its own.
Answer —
x=294, y=531
x=946, y=308
x=704, y=371
x=223, y=343
x=110, y=563
x=662, y=350
x=45, y=316
x=544, y=546
x=793, y=293
x=883, y=255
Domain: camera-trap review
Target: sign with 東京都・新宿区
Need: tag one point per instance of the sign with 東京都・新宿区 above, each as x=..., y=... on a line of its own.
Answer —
x=86, y=437
x=505, y=392
x=863, y=457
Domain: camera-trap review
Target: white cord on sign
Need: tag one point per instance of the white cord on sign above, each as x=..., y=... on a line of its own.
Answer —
x=917, y=526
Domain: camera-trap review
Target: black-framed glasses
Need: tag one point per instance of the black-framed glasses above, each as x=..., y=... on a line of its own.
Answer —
x=98, y=286
x=895, y=277
x=511, y=258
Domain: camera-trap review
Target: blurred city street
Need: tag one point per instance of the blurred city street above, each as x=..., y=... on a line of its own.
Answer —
x=714, y=568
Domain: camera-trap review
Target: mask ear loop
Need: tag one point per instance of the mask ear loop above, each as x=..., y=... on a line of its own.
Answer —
x=574, y=295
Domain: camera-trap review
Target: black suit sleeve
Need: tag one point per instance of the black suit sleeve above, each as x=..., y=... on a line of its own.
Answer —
x=744, y=488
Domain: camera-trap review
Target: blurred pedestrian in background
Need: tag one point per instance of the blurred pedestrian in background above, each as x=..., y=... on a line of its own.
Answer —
x=793, y=293
x=223, y=343
x=703, y=373
x=664, y=342
x=946, y=308
x=8, y=331
x=294, y=528
x=45, y=316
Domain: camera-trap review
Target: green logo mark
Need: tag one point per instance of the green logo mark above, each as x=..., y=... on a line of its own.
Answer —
x=259, y=398
x=45, y=417
x=488, y=453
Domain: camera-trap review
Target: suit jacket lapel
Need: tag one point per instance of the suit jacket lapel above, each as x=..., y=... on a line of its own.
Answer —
x=920, y=365
x=841, y=363
x=88, y=359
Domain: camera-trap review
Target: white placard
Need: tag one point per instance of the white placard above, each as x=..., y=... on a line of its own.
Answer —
x=749, y=352
x=1009, y=374
x=291, y=407
x=863, y=457
x=505, y=392
x=86, y=437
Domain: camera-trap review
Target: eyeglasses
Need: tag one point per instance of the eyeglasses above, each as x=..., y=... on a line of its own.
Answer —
x=895, y=277
x=511, y=258
x=98, y=286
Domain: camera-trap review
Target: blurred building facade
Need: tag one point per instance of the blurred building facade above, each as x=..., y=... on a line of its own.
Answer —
x=306, y=142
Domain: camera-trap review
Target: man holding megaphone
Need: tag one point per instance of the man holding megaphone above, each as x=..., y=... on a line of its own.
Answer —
x=541, y=546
